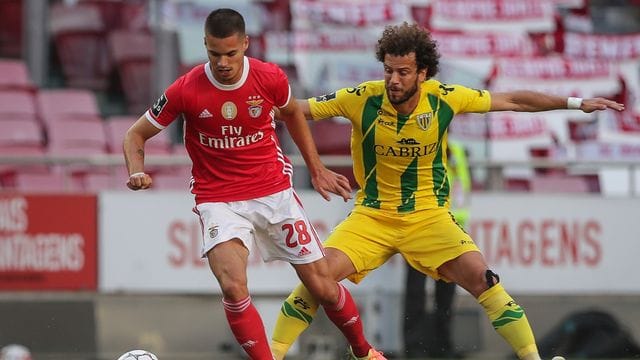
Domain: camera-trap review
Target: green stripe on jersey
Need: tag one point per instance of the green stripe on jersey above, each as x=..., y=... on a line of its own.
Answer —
x=369, y=116
x=444, y=114
x=408, y=187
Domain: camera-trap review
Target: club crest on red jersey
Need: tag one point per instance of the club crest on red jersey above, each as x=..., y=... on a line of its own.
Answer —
x=229, y=110
x=213, y=231
x=255, y=106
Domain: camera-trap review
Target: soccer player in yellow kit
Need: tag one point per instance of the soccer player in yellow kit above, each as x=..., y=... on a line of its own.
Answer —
x=398, y=147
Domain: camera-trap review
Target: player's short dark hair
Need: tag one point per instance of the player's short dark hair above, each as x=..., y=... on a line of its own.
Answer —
x=400, y=40
x=224, y=22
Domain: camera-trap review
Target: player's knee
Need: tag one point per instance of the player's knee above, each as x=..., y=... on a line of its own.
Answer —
x=326, y=292
x=491, y=278
x=234, y=290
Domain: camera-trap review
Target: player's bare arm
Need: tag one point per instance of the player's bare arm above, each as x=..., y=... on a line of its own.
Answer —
x=322, y=179
x=133, y=149
x=532, y=101
x=306, y=109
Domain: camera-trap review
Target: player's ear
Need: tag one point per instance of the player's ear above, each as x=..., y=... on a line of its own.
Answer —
x=246, y=42
x=422, y=74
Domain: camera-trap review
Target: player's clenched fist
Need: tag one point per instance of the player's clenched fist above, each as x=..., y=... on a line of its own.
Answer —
x=139, y=181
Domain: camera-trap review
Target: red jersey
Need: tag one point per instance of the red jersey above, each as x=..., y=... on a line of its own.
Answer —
x=229, y=130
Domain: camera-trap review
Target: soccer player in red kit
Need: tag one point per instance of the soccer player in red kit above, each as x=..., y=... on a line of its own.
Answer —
x=242, y=181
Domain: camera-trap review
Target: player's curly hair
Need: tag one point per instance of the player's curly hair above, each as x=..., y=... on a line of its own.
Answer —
x=399, y=40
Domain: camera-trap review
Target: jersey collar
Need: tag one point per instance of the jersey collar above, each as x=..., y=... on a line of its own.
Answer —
x=216, y=83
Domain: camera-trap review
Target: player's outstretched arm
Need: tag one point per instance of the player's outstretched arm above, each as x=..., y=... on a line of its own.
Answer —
x=323, y=180
x=532, y=101
x=133, y=149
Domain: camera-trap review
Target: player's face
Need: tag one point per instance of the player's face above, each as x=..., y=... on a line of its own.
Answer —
x=226, y=56
x=402, y=77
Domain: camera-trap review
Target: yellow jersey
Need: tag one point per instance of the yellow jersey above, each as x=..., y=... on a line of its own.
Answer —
x=399, y=161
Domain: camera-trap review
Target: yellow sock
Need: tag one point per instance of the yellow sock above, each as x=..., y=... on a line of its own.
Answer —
x=510, y=322
x=295, y=316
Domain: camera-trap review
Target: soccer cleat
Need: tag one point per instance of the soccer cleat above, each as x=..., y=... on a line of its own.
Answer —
x=372, y=355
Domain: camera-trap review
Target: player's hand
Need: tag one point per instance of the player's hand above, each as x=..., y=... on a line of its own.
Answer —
x=327, y=181
x=591, y=105
x=139, y=181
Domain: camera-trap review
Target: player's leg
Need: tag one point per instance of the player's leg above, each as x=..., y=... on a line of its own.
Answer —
x=436, y=241
x=297, y=312
x=228, y=261
x=227, y=238
x=470, y=271
x=349, y=254
x=300, y=307
x=336, y=299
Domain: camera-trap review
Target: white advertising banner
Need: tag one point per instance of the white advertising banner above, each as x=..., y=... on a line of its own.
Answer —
x=559, y=244
x=542, y=244
x=150, y=242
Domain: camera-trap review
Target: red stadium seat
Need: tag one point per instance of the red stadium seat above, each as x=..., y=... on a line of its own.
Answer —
x=133, y=53
x=21, y=138
x=77, y=137
x=17, y=105
x=517, y=184
x=95, y=181
x=20, y=133
x=333, y=137
x=52, y=182
x=79, y=37
x=548, y=152
x=111, y=12
x=178, y=178
x=11, y=28
x=14, y=74
x=559, y=184
x=67, y=104
x=117, y=126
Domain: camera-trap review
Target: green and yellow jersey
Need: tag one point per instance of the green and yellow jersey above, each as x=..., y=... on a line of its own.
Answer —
x=399, y=161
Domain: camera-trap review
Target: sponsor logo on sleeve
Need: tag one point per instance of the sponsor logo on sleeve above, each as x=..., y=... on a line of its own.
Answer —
x=157, y=107
x=326, y=97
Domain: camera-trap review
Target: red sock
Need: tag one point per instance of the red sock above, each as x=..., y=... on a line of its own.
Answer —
x=347, y=318
x=248, y=329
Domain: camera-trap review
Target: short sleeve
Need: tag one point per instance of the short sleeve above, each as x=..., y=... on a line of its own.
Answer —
x=282, y=91
x=466, y=100
x=168, y=106
x=337, y=103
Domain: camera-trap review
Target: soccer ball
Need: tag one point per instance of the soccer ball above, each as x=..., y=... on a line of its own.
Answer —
x=15, y=352
x=138, y=355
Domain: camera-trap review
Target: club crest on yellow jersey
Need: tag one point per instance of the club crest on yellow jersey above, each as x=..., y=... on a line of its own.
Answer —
x=424, y=120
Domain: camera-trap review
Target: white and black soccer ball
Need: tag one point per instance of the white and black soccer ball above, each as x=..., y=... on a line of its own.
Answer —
x=138, y=355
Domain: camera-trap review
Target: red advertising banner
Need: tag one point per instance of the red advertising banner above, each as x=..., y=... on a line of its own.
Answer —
x=48, y=242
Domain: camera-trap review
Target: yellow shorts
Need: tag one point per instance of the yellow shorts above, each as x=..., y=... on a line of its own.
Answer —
x=426, y=239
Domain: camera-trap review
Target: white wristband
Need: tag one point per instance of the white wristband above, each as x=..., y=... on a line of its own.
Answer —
x=574, y=103
x=136, y=174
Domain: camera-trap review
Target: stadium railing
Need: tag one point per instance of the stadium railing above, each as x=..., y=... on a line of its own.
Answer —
x=493, y=171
